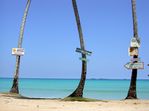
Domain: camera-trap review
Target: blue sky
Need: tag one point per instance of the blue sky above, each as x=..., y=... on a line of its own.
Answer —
x=51, y=37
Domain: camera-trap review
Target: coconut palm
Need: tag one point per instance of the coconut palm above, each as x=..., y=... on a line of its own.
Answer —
x=15, y=88
x=79, y=90
x=132, y=94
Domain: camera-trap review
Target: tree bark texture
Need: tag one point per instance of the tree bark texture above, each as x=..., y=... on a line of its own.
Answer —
x=132, y=93
x=15, y=86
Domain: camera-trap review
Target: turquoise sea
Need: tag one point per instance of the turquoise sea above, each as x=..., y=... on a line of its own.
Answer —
x=60, y=88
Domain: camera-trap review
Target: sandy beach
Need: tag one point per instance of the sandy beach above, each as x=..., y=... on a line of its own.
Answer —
x=11, y=103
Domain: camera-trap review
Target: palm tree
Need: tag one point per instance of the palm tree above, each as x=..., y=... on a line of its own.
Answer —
x=14, y=88
x=79, y=90
x=132, y=94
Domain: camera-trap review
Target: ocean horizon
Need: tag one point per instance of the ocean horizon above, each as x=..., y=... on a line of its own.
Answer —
x=104, y=89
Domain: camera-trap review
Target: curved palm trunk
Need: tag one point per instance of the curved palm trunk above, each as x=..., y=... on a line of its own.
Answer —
x=79, y=90
x=15, y=88
x=132, y=94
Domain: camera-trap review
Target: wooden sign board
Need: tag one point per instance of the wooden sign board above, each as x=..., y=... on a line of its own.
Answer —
x=132, y=51
x=83, y=51
x=137, y=65
x=18, y=51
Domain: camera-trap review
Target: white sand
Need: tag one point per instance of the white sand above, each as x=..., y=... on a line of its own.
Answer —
x=8, y=103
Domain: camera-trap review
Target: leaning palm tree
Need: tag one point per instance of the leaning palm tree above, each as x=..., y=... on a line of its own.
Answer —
x=79, y=90
x=132, y=94
x=14, y=88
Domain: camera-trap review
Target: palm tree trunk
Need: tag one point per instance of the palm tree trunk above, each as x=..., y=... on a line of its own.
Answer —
x=79, y=90
x=15, y=86
x=132, y=94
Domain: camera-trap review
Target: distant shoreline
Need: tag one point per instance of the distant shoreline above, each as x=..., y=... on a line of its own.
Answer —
x=71, y=78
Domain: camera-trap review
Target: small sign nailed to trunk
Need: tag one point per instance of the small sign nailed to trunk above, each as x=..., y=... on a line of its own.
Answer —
x=135, y=60
x=136, y=65
x=135, y=42
x=83, y=51
x=133, y=51
x=18, y=51
x=83, y=59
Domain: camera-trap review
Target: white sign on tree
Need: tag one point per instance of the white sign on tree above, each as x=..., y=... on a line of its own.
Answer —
x=18, y=51
x=135, y=42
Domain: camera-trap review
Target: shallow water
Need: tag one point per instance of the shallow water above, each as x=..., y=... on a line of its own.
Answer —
x=60, y=88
